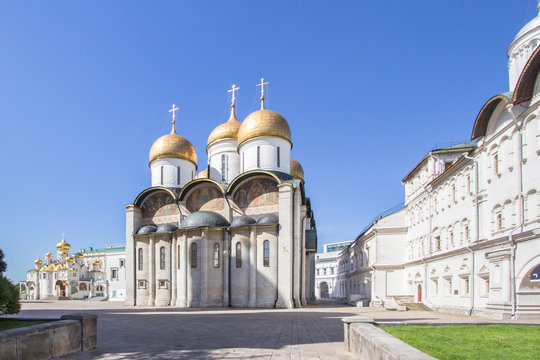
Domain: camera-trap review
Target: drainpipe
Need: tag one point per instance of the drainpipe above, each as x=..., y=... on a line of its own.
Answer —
x=476, y=230
x=513, y=244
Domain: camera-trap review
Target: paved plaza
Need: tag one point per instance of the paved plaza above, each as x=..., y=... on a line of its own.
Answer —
x=314, y=332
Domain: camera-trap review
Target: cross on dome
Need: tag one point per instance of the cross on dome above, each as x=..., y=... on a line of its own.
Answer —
x=173, y=110
x=262, y=91
x=233, y=91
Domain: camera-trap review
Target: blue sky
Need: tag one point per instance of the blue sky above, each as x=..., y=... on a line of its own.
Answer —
x=368, y=87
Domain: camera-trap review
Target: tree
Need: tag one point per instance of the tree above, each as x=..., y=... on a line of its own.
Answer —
x=9, y=295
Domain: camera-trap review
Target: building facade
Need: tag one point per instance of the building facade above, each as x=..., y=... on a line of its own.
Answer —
x=241, y=232
x=92, y=273
x=472, y=212
x=326, y=270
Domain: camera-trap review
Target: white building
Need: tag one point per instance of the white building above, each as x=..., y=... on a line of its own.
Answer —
x=472, y=212
x=239, y=233
x=326, y=264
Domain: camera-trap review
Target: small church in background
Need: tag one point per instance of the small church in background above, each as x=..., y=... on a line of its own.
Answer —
x=240, y=232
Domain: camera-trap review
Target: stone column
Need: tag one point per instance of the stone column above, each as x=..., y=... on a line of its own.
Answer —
x=285, y=278
x=297, y=269
x=182, y=294
x=204, y=268
x=174, y=268
x=252, y=301
x=133, y=223
x=225, y=262
x=151, y=271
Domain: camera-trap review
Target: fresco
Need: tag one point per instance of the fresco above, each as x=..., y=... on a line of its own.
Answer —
x=258, y=192
x=205, y=198
x=159, y=204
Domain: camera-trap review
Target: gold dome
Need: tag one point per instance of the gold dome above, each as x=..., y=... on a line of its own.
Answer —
x=264, y=123
x=173, y=146
x=70, y=259
x=203, y=174
x=63, y=253
x=297, y=171
x=63, y=245
x=49, y=255
x=79, y=254
x=228, y=130
x=38, y=261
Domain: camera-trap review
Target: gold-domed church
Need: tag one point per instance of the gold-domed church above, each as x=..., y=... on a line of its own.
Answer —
x=238, y=233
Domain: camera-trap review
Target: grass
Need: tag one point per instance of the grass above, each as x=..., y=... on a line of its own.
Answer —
x=468, y=342
x=7, y=324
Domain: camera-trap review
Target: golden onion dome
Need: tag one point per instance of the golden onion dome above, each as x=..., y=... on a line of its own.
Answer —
x=203, y=174
x=264, y=122
x=70, y=259
x=228, y=130
x=49, y=255
x=38, y=261
x=297, y=171
x=173, y=146
x=79, y=254
x=96, y=263
x=63, y=245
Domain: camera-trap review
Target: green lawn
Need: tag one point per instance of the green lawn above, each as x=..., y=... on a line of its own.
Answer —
x=466, y=342
x=6, y=324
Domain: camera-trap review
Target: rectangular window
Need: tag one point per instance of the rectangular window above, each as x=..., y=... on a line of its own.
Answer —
x=162, y=175
x=496, y=163
x=114, y=274
x=162, y=284
x=454, y=193
x=194, y=255
x=499, y=221
x=468, y=184
x=258, y=156
x=178, y=175
x=216, y=255
x=122, y=263
x=238, y=255
x=178, y=257
x=162, y=258
x=437, y=243
x=141, y=284
x=140, y=259
x=278, y=157
x=266, y=253
x=223, y=167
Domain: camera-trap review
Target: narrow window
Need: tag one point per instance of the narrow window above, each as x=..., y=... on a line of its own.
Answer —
x=258, y=156
x=178, y=257
x=191, y=174
x=467, y=233
x=216, y=255
x=162, y=175
x=140, y=259
x=243, y=162
x=499, y=221
x=468, y=184
x=454, y=193
x=438, y=243
x=496, y=163
x=194, y=255
x=238, y=255
x=223, y=166
x=452, y=239
x=278, y=158
x=178, y=175
x=266, y=253
x=162, y=258
x=467, y=286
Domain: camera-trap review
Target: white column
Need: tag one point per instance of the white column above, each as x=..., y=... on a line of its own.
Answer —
x=225, y=262
x=182, y=296
x=152, y=271
x=204, y=268
x=285, y=248
x=174, y=269
x=252, y=302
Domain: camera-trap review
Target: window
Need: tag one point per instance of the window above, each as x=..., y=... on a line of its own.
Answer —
x=194, y=255
x=141, y=284
x=437, y=243
x=266, y=253
x=114, y=274
x=318, y=272
x=178, y=175
x=278, y=157
x=216, y=255
x=466, y=285
x=178, y=253
x=122, y=263
x=468, y=184
x=258, y=156
x=238, y=254
x=435, y=287
x=191, y=174
x=162, y=175
x=223, y=167
x=449, y=290
x=454, y=193
x=162, y=284
x=467, y=232
x=162, y=258
x=499, y=220
x=332, y=271
x=451, y=235
x=140, y=259
x=496, y=163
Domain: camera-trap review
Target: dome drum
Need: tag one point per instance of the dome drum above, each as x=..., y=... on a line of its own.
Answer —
x=266, y=153
x=172, y=172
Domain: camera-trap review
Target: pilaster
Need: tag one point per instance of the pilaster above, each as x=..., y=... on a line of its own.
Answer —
x=252, y=301
x=133, y=223
x=285, y=250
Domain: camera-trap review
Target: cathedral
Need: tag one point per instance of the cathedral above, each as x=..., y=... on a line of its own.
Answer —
x=238, y=233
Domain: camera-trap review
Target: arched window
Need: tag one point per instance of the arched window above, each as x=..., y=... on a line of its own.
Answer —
x=140, y=259
x=278, y=157
x=216, y=255
x=266, y=253
x=238, y=254
x=162, y=258
x=178, y=257
x=193, y=255
x=162, y=175
x=258, y=156
x=223, y=167
x=178, y=175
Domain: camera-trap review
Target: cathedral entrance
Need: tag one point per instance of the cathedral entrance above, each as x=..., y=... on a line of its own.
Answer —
x=419, y=294
x=61, y=288
x=324, y=290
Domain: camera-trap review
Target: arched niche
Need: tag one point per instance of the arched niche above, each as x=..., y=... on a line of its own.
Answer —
x=257, y=195
x=205, y=197
x=159, y=206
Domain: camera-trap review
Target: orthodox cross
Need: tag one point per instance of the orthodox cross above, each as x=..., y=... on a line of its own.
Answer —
x=262, y=91
x=173, y=110
x=233, y=91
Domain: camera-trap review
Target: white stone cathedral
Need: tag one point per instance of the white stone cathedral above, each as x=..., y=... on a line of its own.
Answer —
x=239, y=233
x=468, y=237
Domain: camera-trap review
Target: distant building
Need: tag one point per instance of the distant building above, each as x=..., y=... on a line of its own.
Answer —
x=326, y=270
x=86, y=274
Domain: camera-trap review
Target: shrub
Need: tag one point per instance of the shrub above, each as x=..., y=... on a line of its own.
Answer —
x=9, y=295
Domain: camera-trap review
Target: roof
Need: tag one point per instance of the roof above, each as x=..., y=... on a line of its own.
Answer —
x=105, y=249
x=525, y=85
x=482, y=119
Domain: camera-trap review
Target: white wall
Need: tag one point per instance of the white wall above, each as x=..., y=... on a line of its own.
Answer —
x=268, y=154
x=229, y=148
x=170, y=172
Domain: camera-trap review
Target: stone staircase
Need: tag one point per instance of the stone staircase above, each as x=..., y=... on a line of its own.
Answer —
x=414, y=306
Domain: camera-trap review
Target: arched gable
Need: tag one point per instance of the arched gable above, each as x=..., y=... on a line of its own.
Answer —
x=158, y=205
x=524, y=89
x=204, y=195
x=237, y=180
x=256, y=194
x=147, y=192
x=485, y=114
x=193, y=183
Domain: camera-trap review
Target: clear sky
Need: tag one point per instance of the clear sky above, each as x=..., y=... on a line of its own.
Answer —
x=368, y=87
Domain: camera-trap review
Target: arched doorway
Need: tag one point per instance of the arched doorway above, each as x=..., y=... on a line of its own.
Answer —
x=419, y=293
x=61, y=288
x=324, y=290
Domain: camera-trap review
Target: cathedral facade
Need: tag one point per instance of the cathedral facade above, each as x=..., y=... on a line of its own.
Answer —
x=468, y=237
x=239, y=233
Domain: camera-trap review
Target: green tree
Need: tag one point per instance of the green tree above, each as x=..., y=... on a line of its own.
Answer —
x=9, y=294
